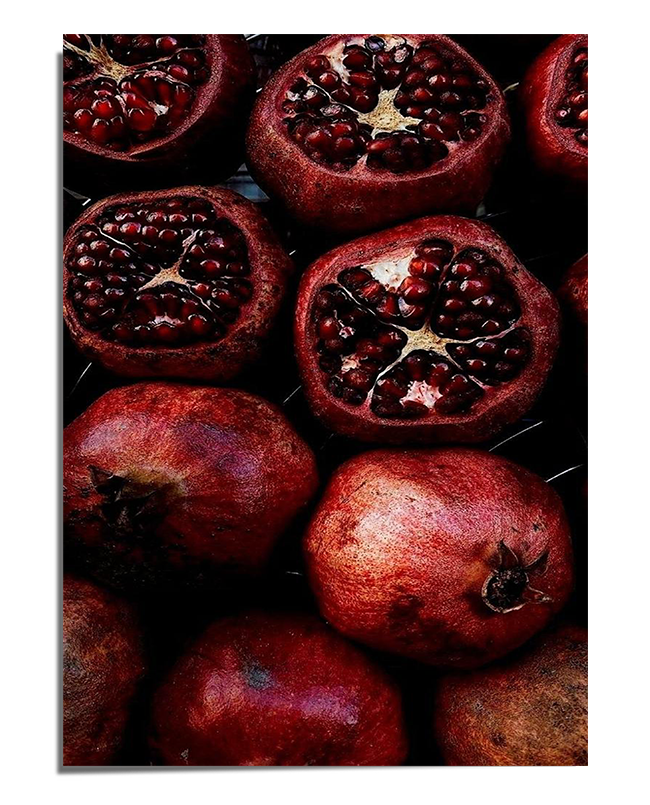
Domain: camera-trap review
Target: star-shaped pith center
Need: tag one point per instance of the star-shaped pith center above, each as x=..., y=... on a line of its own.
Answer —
x=386, y=116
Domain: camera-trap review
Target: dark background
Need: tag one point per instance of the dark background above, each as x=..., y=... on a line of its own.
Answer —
x=546, y=228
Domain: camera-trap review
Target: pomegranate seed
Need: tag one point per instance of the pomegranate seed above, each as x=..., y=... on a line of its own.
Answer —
x=166, y=44
x=142, y=119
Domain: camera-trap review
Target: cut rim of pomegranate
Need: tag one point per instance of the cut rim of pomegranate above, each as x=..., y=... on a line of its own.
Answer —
x=431, y=331
x=181, y=283
x=361, y=113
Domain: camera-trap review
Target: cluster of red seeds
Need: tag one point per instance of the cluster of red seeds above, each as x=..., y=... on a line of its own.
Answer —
x=116, y=108
x=462, y=301
x=441, y=95
x=572, y=110
x=115, y=263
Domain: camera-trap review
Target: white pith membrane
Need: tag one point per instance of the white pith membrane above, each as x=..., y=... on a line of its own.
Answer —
x=166, y=273
x=124, y=90
x=425, y=330
x=386, y=103
x=572, y=112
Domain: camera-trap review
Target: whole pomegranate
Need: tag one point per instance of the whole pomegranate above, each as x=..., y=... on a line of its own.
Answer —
x=529, y=710
x=431, y=331
x=151, y=108
x=164, y=482
x=173, y=283
x=102, y=665
x=453, y=557
x=554, y=98
x=374, y=129
x=277, y=690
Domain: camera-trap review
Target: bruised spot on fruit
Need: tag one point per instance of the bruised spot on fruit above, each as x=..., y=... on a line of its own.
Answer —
x=498, y=739
x=256, y=676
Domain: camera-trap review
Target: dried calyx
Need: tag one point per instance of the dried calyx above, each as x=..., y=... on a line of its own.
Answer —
x=508, y=588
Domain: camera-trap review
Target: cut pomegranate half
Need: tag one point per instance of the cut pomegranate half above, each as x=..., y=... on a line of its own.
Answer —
x=363, y=130
x=431, y=331
x=145, y=105
x=554, y=97
x=173, y=283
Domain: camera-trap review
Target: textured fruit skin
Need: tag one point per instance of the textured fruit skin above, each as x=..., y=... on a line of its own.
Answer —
x=402, y=542
x=211, y=478
x=529, y=710
x=208, y=144
x=539, y=310
x=574, y=291
x=102, y=665
x=357, y=201
x=552, y=148
x=277, y=690
x=217, y=361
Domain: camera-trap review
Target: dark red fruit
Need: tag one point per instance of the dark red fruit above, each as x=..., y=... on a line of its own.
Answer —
x=102, y=665
x=151, y=108
x=164, y=482
x=453, y=557
x=174, y=283
x=431, y=331
x=376, y=129
x=277, y=690
x=554, y=97
x=530, y=710
x=574, y=292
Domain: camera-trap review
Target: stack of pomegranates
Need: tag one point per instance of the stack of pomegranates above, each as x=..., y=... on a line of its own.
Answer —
x=294, y=531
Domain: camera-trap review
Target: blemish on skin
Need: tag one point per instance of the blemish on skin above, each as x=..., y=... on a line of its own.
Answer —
x=257, y=677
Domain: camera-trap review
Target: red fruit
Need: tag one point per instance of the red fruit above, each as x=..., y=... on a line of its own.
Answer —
x=377, y=129
x=454, y=338
x=574, y=291
x=102, y=665
x=530, y=710
x=174, y=283
x=554, y=98
x=277, y=690
x=163, y=481
x=148, y=109
x=453, y=557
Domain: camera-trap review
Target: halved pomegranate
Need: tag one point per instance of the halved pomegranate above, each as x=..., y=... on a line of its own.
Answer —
x=431, y=331
x=554, y=97
x=173, y=283
x=142, y=105
x=362, y=130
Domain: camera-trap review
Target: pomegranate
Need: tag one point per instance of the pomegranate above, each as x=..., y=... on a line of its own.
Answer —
x=102, y=665
x=374, y=129
x=166, y=484
x=146, y=108
x=277, y=690
x=431, y=331
x=173, y=283
x=554, y=98
x=529, y=710
x=453, y=557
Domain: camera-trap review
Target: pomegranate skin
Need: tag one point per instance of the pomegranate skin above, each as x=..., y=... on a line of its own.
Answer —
x=453, y=557
x=529, y=710
x=102, y=666
x=207, y=144
x=277, y=690
x=360, y=199
x=501, y=404
x=552, y=148
x=214, y=360
x=166, y=485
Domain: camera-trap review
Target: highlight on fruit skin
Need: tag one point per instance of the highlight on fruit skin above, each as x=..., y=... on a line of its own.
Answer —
x=554, y=98
x=151, y=110
x=374, y=129
x=452, y=557
x=527, y=710
x=185, y=282
x=169, y=486
x=432, y=331
x=103, y=665
x=277, y=689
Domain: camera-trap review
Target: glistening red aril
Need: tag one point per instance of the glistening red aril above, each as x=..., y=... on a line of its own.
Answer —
x=431, y=331
x=554, y=98
x=174, y=283
x=373, y=129
x=150, y=108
